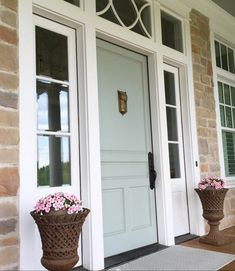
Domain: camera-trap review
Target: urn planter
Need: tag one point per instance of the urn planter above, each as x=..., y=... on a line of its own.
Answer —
x=60, y=232
x=212, y=203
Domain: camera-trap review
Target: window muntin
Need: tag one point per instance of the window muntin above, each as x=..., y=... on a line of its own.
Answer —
x=131, y=14
x=53, y=129
x=171, y=32
x=224, y=57
x=226, y=94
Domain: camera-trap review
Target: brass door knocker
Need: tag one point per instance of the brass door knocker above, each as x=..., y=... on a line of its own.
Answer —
x=122, y=102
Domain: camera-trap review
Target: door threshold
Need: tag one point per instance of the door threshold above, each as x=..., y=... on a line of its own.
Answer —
x=185, y=237
x=132, y=255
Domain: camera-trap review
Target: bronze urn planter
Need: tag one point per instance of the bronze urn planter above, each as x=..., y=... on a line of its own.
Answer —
x=212, y=203
x=59, y=219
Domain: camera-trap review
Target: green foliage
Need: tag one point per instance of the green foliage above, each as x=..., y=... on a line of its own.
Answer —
x=44, y=174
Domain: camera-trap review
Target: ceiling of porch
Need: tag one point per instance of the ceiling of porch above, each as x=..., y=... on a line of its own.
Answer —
x=228, y=5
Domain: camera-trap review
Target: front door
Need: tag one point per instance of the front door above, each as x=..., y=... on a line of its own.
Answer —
x=129, y=213
x=176, y=150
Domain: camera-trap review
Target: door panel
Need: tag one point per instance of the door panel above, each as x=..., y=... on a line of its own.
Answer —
x=175, y=149
x=128, y=203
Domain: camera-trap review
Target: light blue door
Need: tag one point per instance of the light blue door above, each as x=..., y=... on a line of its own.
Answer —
x=128, y=202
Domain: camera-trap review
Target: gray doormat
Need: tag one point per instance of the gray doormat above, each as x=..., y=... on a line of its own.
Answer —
x=179, y=258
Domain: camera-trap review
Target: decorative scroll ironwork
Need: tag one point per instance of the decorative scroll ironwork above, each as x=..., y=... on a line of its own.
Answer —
x=134, y=15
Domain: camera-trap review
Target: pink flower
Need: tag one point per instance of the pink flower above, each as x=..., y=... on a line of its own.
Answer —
x=211, y=182
x=58, y=201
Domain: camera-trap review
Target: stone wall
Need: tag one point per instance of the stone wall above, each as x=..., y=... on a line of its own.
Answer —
x=204, y=95
x=205, y=107
x=9, y=136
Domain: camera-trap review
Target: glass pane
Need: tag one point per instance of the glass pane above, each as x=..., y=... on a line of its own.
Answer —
x=220, y=89
x=222, y=116
x=74, y=2
x=101, y=4
x=172, y=124
x=125, y=11
x=51, y=54
x=233, y=95
x=224, y=57
x=53, y=106
x=169, y=80
x=174, y=160
x=227, y=94
x=53, y=161
x=233, y=118
x=229, y=152
x=171, y=32
x=217, y=54
x=228, y=114
x=231, y=60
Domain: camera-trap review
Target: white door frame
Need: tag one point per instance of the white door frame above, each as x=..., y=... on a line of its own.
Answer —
x=91, y=26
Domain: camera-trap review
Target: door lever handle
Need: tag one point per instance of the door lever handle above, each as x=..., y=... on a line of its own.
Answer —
x=152, y=172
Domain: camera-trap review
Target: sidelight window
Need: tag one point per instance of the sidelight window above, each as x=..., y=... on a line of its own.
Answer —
x=53, y=89
x=172, y=114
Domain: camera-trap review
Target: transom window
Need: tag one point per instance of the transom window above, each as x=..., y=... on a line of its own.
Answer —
x=131, y=14
x=227, y=117
x=171, y=32
x=224, y=57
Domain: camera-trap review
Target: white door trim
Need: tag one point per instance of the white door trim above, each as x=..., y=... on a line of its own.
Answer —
x=90, y=25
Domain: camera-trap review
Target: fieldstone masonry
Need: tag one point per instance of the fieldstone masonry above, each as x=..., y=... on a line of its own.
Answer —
x=9, y=136
x=205, y=107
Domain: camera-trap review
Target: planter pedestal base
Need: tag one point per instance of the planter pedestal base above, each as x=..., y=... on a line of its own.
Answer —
x=214, y=237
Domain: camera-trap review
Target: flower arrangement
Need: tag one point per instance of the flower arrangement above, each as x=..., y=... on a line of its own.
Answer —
x=58, y=201
x=211, y=182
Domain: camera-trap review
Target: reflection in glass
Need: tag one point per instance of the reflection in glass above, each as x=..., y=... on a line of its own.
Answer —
x=53, y=161
x=233, y=95
x=53, y=106
x=229, y=152
x=51, y=54
x=224, y=57
x=74, y=2
x=231, y=60
x=222, y=115
x=172, y=124
x=217, y=54
x=169, y=82
x=233, y=117
x=171, y=32
x=228, y=114
x=101, y=4
x=220, y=89
x=227, y=94
x=136, y=15
x=174, y=160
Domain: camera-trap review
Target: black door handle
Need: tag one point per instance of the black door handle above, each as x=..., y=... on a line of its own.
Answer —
x=152, y=172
